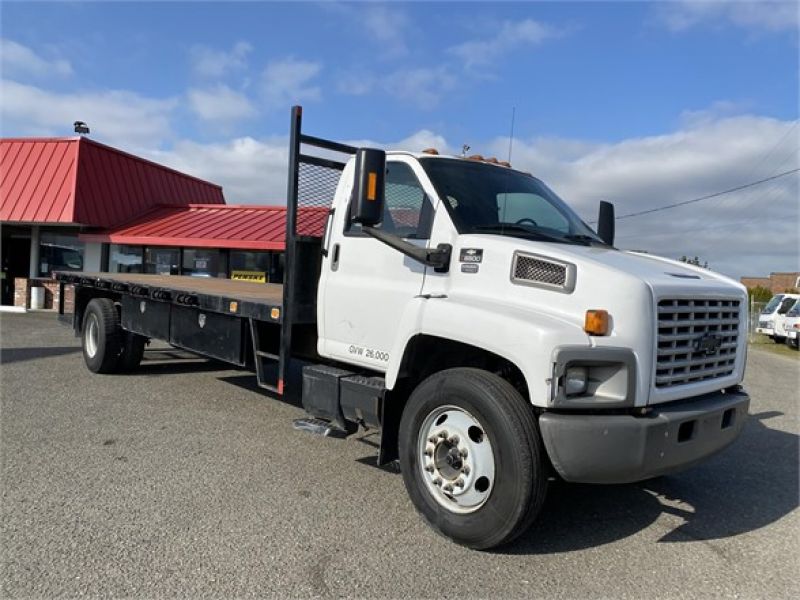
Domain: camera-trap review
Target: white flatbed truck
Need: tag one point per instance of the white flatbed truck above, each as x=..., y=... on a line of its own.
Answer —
x=463, y=309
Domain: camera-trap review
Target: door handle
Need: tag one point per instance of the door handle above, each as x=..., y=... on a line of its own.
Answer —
x=335, y=259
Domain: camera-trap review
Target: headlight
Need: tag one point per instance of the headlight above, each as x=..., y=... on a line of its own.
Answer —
x=593, y=378
x=575, y=381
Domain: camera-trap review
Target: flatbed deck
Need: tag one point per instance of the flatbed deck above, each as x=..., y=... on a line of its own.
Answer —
x=243, y=298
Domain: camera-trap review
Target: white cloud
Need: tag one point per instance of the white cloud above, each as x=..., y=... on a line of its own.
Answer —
x=116, y=117
x=251, y=171
x=254, y=171
x=221, y=104
x=386, y=28
x=422, y=87
x=758, y=16
x=754, y=230
x=290, y=81
x=210, y=62
x=749, y=232
x=510, y=35
x=21, y=61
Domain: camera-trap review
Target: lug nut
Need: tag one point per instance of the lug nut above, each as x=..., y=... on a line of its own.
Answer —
x=448, y=488
x=433, y=439
x=463, y=453
x=437, y=481
x=442, y=434
x=429, y=468
x=428, y=452
x=460, y=483
x=465, y=470
x=454, y=440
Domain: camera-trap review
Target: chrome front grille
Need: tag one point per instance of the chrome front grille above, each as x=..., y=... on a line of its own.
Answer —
x=697, y=340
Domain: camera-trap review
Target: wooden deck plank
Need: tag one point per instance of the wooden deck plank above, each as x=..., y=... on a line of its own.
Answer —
x=268, y=293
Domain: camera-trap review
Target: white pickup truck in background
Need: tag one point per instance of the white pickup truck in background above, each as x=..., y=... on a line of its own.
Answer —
x=787, y=325
x=773, y=313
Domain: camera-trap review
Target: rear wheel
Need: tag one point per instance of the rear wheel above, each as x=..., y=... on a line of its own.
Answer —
x=472, y=458
x=101, y=336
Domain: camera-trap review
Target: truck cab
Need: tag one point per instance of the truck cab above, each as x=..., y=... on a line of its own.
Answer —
x=525, y=270
x=787, y=325
x=769, y=321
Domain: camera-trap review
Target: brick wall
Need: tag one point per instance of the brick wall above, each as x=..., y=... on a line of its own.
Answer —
x=52, y=294
x=751, y=282
x=783, y=281
x=777, y=283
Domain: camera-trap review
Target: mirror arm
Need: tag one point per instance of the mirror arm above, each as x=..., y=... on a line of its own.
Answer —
x=439, y=258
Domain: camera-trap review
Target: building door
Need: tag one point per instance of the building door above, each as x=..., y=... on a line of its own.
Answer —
x=15, y=257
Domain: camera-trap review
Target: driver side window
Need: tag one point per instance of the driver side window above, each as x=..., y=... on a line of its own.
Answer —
x=407, y=211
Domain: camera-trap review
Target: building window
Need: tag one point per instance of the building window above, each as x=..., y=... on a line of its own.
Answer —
x=125, y=259
x=203, y=262
x=251, y=266
x=59, y=252
x=162, y=261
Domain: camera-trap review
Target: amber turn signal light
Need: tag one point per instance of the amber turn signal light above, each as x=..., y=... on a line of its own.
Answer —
x=597, y=322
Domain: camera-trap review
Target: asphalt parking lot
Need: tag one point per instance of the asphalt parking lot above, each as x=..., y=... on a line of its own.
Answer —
x=183, y=480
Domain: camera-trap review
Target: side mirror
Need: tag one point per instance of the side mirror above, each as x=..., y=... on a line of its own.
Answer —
x=605, y=222
x=366, y=204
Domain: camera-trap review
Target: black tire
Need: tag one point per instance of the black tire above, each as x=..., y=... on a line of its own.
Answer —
x=107, y=345
x=520, y=476
x=132, y=350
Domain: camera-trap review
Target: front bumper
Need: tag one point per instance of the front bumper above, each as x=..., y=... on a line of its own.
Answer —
x=598, y=448
x=765, y=330
x=792, y=334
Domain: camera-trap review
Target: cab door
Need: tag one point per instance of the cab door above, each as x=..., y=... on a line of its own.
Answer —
x=366, y=286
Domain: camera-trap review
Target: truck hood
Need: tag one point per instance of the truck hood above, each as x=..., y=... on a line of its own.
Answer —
x=661, y=273
x=630, y=285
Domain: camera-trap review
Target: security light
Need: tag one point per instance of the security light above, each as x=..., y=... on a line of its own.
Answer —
x=81, y=127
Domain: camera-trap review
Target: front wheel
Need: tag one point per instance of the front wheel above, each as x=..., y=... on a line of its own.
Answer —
x=472, y=457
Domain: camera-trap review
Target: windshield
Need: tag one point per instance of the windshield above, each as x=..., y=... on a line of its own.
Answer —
x=772, y=304
x=483, y=198
x=795, y=310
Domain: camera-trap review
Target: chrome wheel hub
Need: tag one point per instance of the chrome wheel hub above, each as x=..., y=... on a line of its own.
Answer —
x=456, y=459
x=92, y=335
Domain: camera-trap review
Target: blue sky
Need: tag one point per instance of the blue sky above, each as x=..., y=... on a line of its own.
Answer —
x=206, y=87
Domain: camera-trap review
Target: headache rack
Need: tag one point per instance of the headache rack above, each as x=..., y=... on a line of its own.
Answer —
x=313, y=179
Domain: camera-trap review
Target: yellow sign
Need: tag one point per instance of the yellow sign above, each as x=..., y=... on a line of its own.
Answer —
x=254, y=276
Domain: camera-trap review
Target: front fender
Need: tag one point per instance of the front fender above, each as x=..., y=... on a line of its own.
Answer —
x=523, y=337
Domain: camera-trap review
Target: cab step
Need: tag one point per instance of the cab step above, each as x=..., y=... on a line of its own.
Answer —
x=318, y=427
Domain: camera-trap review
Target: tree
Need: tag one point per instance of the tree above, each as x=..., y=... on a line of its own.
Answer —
x=694, y=261
x=759, y=293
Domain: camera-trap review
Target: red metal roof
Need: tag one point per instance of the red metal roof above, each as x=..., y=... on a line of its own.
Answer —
x=214, y=226
x=78, y=180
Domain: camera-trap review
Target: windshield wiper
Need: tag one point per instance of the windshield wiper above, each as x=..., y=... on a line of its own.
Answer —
x=502, y=228
x=582, y=237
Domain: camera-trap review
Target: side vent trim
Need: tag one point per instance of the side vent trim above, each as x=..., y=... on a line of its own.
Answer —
x=544, y=272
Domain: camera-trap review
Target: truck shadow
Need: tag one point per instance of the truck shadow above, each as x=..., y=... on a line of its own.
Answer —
x=11, y=355
x=748, y=486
